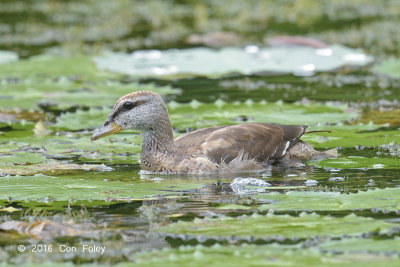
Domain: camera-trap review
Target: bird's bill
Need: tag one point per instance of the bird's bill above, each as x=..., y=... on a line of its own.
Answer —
x=110, y=129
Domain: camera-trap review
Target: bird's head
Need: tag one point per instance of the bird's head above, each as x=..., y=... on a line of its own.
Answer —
x=141, y=111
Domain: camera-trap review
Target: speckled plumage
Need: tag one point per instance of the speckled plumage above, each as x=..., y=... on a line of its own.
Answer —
x=214, y=149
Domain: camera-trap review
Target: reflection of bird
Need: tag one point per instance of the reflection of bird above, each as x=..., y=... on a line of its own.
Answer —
x=220, y=148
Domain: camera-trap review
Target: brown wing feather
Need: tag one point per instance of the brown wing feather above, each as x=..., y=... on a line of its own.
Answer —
x=258, y=141
x=191, y=142
x=291, y=134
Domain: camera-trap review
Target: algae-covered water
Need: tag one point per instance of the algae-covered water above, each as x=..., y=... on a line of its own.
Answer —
x=65, y=200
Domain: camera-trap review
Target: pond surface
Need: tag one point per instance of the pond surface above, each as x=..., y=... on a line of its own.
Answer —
x=65, y=200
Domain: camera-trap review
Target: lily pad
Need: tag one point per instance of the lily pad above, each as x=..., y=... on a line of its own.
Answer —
x=84, y=187
x=384, y=199
x=21, y=158
x=7, y=56
x=352, y=136
x=351, y=162
x=381, y=117
x=61, y=83
x=51, y=166
x=26, y=154
x=270, y=226
x=302, y=61
x=198, y=114
x=363, y=245
x=390, y=67
x=252, y=255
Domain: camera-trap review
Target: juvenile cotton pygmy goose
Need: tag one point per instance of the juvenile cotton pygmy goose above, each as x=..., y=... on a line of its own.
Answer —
x=220, y=148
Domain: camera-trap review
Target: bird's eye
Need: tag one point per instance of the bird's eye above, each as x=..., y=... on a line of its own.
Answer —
x=128, y=105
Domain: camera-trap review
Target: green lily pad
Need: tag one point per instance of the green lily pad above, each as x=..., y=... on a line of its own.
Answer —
x=52, y=66
x=197, y=114
x=7, y=56
x=80, y=119
x=351, y=162
x=63, y=83
x=385, y=199
x=84, y=187
x=263, y=226
x=352, y=136
x=233, y=207
x=51, y=166
x=20, y=158
x=390, y=67
x=252, y=255
x=26, y=154
x=363, y=245
x=219, y=113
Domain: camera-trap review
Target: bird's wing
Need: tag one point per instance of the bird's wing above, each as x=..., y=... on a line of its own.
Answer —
x=191, y=142
x=258, y=141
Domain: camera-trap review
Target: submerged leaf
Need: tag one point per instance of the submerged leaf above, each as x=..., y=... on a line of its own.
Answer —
x=45, y=230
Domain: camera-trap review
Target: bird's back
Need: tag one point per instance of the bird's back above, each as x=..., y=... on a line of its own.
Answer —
x=259, y=141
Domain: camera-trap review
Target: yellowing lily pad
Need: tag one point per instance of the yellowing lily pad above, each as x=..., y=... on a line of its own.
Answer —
x=9, y=209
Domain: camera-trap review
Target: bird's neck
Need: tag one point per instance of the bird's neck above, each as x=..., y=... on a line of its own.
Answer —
x=159, y=140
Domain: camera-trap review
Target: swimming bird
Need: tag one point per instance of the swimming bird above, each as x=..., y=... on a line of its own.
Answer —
x=232, y=148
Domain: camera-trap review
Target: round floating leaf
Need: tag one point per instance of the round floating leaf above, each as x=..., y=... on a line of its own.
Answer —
x=269, y=226
x=58, y=83
x=390, y=67
x=299, y=60
x=360, y=162
x=256, y=255
x=84, y=187
x=385, y=199
x=201, y=115
x=7, y=56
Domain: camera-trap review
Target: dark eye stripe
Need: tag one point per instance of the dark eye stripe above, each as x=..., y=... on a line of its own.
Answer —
x=127, y=106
